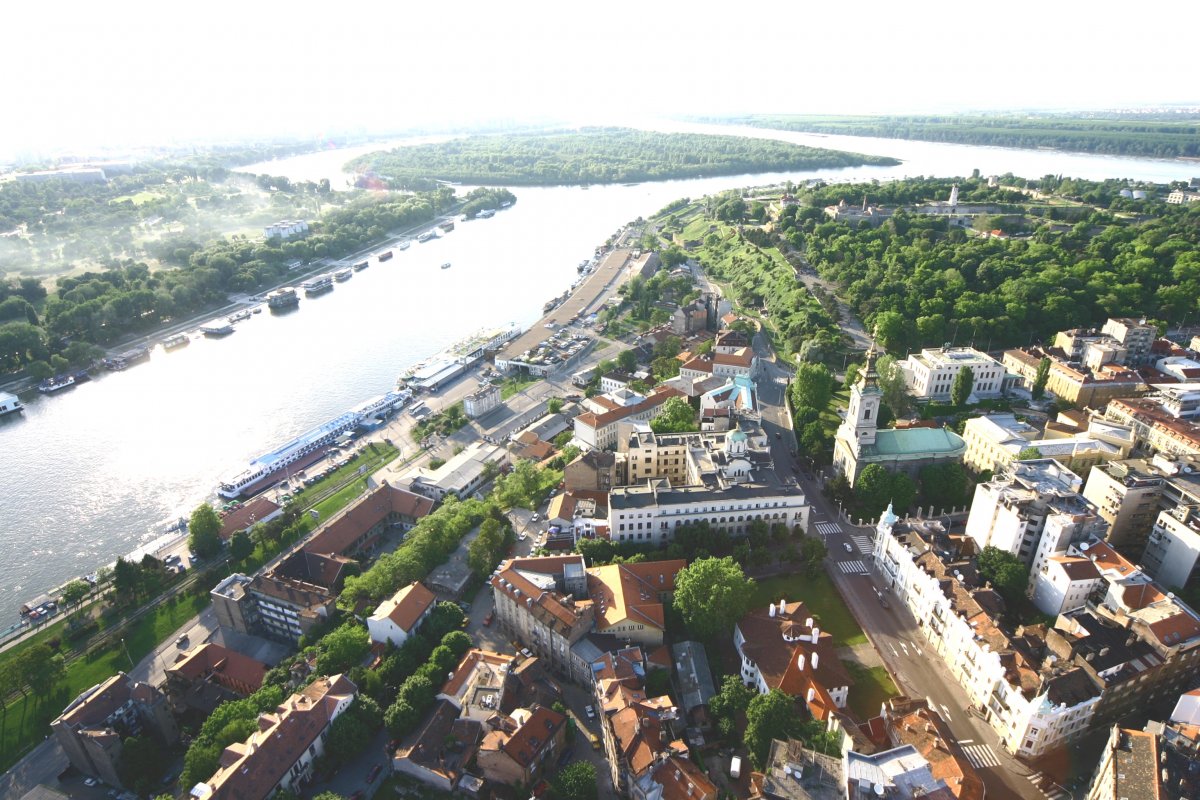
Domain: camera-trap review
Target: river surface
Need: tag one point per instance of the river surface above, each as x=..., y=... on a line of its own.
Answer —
x=97, y=471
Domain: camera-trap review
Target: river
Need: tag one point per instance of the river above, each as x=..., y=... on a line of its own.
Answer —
x=96, y=471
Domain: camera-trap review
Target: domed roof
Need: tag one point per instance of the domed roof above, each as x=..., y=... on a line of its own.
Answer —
x=738, y=436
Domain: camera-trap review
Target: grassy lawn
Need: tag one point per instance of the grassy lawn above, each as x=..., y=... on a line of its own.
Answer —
x=26, y=720
x=515, y=384
x=872, y=685
x=341, y=498
x=822, y=599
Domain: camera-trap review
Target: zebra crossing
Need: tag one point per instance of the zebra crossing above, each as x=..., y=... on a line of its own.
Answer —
x=828, y=528
x=1053, y=793
x=981, y=756
x=863, y=543
x=855, y=567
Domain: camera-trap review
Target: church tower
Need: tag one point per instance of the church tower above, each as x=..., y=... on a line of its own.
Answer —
x=862, y=418
x=954, y=197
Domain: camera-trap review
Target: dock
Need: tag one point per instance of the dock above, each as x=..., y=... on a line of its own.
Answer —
x=578, y=302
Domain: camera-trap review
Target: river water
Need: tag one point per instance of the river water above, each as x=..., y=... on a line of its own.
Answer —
x=96, y=471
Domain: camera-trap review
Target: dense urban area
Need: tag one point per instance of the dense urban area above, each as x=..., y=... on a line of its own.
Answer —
x=807, y=491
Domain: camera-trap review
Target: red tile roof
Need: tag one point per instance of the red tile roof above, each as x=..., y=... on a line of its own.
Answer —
x=247, y=515
x=340, y=534
x=230, y=668
x=529, y=740
x=660, y=395
x=406, y=606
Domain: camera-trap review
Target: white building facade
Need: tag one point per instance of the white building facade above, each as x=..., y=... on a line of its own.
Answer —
x=930, y=374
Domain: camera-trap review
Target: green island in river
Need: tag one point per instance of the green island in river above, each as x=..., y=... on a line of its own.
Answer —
x=595, y=155
x=1148, y=135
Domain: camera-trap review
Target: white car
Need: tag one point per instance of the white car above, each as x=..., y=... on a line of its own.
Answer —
x=522, y=536
x=846, y=545
x=536, y=517
x=90, y=782
x=591, y=712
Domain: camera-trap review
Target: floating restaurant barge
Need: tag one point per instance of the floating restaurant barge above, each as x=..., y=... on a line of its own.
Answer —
x=433, y=373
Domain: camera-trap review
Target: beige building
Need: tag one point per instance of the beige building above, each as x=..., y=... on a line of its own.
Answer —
x=630, y=599
x=996, y=440
x=591, y=471
x=522, y=747
x=1130, y=493
x=401, y=615
x=597, y=430
x=1155, y=428
x=1073, y=382
x=279, y=755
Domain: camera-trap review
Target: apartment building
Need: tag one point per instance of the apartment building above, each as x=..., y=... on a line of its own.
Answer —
x=1136, y=336
x=1033, y=510
x=521, y=746
x=996, y=440
x=1033, y=702
x=401, y=615
x=630, y=599
x=1073, y=381
x=280, y=754
x=1173, y=546
x=1165, y=423
x=1161, y=761
x=463, y=474
x=782, y=648
x=92, y=728
x=597, y=430
x=930, y=374
x=708, y=458
x=1130, y=493
x=544, y=602
x=1063, y=583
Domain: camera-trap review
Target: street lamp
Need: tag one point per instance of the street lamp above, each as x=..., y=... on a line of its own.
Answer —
x=125, y=647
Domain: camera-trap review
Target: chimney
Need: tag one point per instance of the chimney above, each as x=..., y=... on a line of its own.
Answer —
x=816, y=635
x=771, y=610
x=808, y=698
x=800, y=662
x=782, y=605
x=816, y=657
x=808, y=622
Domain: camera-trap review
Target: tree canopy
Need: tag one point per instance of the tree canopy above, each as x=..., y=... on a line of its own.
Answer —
x=204, y=531
x=576, y=781
x=676, y=415
x=876, y=487
x=711, y=594
x=964, y=382
x=594, y=155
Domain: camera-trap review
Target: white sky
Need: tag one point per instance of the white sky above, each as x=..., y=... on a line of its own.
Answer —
x=125, y=72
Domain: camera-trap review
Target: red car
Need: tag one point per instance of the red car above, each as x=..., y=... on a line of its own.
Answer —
x=487, y=620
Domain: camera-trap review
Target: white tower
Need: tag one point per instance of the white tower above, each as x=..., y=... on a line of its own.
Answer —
x=954, y=197
x=862, y=419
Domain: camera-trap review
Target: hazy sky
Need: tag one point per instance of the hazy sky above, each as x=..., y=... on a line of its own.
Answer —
x=129, y=72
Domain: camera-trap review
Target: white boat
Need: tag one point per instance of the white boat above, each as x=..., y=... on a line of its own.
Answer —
x=404, y=245
x=176, y=341
x=263, y=468
x=487, y=213
x=283, y=297
x=321, y=283
x=217, y=327
x=9, y=404
x=238, y=316
x=343, y=274
x=446, y=265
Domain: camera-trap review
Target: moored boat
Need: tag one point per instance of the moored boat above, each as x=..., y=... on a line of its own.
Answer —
x=56, y=384
x=446, y=265
x=343, y=274
x=385, y=255
x=317, y=285
x=360, y=266
x=404, y=245
x=176, y=341
x=217, y=327
x=283, y=297
x=426, y=236
x=238, y=316
x=10, y=404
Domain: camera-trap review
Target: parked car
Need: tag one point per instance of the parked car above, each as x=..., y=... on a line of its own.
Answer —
x=591, y=712
x=525, y=651
x=182, y=641
x=89, y=781
x=846, y=545
x=536, y=517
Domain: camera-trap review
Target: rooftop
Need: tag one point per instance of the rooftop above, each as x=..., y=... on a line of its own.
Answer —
x=793, y=772
x=406, y=606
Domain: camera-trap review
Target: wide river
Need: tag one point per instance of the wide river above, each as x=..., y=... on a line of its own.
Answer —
x=99, y=470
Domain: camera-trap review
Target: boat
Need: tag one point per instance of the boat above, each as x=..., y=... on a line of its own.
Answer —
x=283, y=297
x=176, y=341
x=82, y=376
x=385, y=255
x=317, y=285
x=343, y=275
x=506, y=204
x=487, y=213
x=217, y=327
x=304, y=449
x=127, y=359
x=447, y=226
x=432, y=373
x=238, y=316
x=426, y=236
x=446, y=265
x=360, y=266
x=10, y=404
x=256, y=310
x=56, y=384
x=404, y=245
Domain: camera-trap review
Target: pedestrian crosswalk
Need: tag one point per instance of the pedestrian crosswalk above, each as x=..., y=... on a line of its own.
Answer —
x=1054, y=792
x=863, y=543
x=828, y=528
x=981, y=756
x=855, y=567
